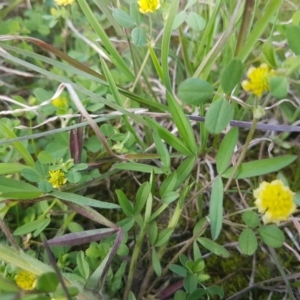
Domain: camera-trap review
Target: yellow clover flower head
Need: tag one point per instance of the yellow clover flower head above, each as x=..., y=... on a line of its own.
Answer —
x=64, y=2
x=148, y=6
x=57, y=178
x=275, y=201
x=60, y=102
x=26, y=280
x=258, y=82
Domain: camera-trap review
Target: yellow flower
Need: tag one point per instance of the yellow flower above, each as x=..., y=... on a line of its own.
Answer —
x=258, y=82
x=148, y=6
x=57, y=178
x=275, y=201
x=60, y=102
x=64, y=2
x=25, y=280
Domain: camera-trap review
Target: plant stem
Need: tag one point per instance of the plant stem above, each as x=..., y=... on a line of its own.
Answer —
x=246, y=25
x=243, y=154
x=133, y=262
x=8, y=235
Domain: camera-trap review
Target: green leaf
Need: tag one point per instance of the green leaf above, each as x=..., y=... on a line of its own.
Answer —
x=178, y=270
x=190, y=3
x=10, y=168
x=216, y=208
x=45, y=157
x=16, y=189
x=251, y=219
x=126, y=224
x=226, y=149
x=184, y=170
x=163, y=237
x=180, y=295
x=45, y=186
x=195, y=91
x=152, y=232
x=189, y=265
x=216, y=290
x=155, y=62
x=195, y=21
x=198, y=265
x=248, y=241
x=31, y=175
x=57, y=150
x=168, y=137
x=138, y=37
x=165, y=44
x=271, y=235
x=82, y=265
x=47, y=282
x=137, y=167
x=197, y=294
x=161, y=150
x=260, y=167
x=168, y=184
x=297, y=198
x=269, y=54
x=73, y=176
x=8, y=285
x=125, y=204
x=122, y=18
x=41, y=227
x=19, y=146
x=169, y=197
x=199, y=225
x=60, y=293
x=190, y=282
x=117, y=281
x=296, y=17
x=75, y=227
x=213, y=247
x=183, y=259
x=32, y=226
x=131, y=296
x=135, y=14
x=218, y=116
x=141, y=197
x=292, y=34
x=80, y=167
x=182, y=123
x=179, y=19
x=156, y=262
x=279, y=86
x=149, y=202
x=83, y=201
x=231, y=75
x=42, y=170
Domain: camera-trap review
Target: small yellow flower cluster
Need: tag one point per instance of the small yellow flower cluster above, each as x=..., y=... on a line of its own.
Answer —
x=57, y=178
x=258, y=82
x=60, y=102
x=275, y=201
x=25, y=280
x=148, y=6
x=64, y=2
